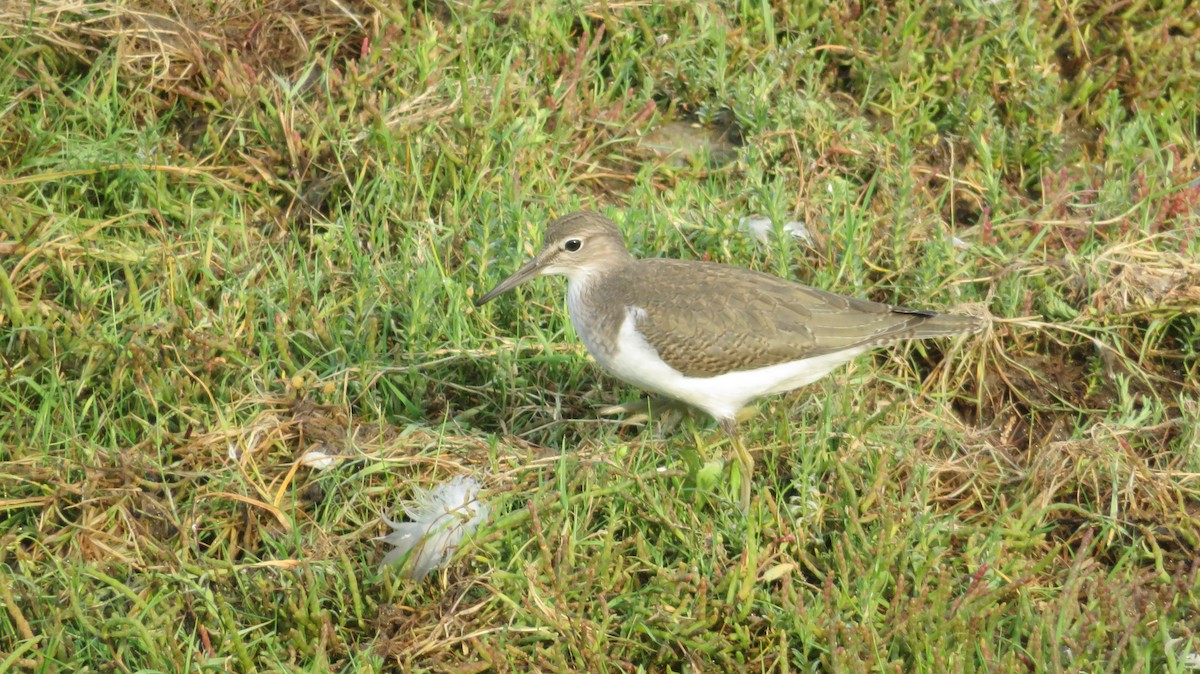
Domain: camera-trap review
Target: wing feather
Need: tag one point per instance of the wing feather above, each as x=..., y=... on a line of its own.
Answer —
x=750, y=319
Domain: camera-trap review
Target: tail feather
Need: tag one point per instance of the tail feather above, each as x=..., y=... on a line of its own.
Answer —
x=940, y=325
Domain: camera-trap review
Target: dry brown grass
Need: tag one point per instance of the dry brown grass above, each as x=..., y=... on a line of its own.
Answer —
x=195, y=49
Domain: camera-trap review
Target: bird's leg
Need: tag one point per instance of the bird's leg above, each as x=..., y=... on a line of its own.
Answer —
x=744, y=459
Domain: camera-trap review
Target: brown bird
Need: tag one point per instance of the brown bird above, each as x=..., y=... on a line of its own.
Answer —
x=710, y=335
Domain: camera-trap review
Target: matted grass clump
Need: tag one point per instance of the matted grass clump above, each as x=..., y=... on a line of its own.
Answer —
x=239, y=247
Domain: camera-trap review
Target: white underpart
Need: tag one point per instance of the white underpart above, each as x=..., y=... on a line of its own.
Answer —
x=722, y=396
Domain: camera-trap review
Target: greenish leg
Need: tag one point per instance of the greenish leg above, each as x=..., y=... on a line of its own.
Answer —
x=744, y=459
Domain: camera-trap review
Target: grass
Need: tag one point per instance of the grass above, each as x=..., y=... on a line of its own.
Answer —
x=235, y=235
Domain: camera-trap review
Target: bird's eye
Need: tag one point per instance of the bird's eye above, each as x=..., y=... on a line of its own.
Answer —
x=572, y=245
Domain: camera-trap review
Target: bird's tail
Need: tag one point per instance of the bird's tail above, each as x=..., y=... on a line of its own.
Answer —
x=941, y=325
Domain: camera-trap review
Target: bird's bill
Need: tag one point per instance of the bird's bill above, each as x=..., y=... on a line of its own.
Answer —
x=526, y=272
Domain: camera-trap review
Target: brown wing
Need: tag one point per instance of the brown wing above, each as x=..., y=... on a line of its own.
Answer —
x=749, y=319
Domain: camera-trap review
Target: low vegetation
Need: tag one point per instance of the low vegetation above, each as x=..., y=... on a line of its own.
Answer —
x=233, y=235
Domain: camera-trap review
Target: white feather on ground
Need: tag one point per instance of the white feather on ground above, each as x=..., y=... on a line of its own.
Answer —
x=441, y=518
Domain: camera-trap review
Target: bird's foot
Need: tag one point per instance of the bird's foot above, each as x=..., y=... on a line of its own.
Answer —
x=638, y=411
x=666, y=411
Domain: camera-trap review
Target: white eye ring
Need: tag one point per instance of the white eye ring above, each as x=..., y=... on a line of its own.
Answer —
x=572, y=245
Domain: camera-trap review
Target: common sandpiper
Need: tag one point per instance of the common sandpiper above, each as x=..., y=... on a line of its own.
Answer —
x=713, y=336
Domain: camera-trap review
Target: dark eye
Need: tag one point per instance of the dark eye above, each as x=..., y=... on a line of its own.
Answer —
x=572, y=245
